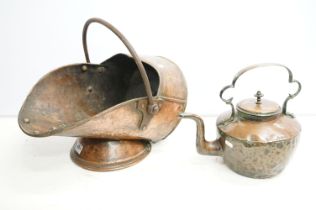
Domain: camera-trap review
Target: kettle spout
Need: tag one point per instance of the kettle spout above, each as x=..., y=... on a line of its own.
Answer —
x=203, y=146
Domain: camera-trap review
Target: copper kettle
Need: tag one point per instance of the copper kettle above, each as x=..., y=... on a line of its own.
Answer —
x=257, y=138
x=116, y=108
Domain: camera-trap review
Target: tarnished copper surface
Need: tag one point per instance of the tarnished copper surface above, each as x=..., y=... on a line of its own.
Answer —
x=105, y=101
x=257, y=160
x=62, y=104
x=258, y=139
x=122, y=99
x=265, y=107
x=276, y=129
x=108, y=155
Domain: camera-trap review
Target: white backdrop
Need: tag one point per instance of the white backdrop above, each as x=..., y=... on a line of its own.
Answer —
x=209, y=40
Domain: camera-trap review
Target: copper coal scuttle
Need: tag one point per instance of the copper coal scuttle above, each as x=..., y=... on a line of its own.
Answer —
x=116, y=108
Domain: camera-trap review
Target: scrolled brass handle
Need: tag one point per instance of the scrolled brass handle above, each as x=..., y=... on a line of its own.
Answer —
x=242, y=71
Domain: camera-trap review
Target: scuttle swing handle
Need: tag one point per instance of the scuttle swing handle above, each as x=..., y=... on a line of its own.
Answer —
x=153, y=107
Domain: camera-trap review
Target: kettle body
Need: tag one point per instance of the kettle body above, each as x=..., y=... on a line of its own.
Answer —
x=257, y=138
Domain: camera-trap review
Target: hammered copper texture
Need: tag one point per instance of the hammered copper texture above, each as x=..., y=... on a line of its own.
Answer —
x=101, y=102
x=108, y=155
x=258, y=160
x=278, y=128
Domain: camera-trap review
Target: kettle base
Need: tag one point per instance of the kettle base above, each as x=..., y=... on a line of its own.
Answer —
x=108, y=155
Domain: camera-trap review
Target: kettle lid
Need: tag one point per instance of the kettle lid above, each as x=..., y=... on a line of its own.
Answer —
x=256, y=108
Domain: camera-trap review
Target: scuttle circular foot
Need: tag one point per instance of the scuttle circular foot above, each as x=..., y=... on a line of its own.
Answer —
x=107, y=154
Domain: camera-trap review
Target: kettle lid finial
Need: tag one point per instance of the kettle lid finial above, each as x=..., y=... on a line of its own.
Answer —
x=258, y=107
x=258, y=95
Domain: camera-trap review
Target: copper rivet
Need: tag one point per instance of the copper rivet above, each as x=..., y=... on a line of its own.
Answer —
x=26, y=120
x=100, y=69
x=155, y=109
x=84, y=68
x=89, y=89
